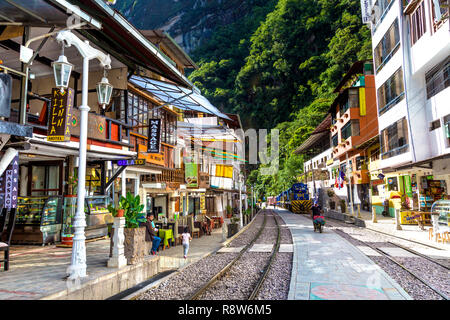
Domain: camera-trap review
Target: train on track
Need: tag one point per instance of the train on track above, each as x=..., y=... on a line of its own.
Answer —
x=296, y=199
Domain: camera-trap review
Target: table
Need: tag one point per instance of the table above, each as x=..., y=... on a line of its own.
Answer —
x=218, y=221
x=165, y=235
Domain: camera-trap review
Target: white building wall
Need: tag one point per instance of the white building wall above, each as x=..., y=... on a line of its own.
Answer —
x=427, y=52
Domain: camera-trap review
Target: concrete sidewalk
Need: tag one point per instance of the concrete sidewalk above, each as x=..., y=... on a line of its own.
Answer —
x=39, y=272
x=328, y=267
x=387, y=225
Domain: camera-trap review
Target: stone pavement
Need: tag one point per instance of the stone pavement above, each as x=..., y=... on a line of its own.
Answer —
x=408, y=232
x=328, y=267
x=38, y=272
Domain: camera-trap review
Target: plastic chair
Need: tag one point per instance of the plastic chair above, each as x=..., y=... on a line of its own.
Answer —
x=5, y=237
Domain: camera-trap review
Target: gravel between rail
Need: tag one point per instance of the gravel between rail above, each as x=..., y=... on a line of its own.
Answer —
x=436, y=275
x=241, y=278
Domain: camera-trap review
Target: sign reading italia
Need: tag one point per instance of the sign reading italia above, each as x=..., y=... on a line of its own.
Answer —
x=9, y=184
x=154, y=136
x=60, y=115
x=133, y=162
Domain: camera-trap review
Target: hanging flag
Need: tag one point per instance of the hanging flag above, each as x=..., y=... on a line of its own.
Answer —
x=341, y=179
x=336, y=181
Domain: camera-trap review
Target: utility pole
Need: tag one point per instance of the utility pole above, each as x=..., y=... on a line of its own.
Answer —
x=349, y=171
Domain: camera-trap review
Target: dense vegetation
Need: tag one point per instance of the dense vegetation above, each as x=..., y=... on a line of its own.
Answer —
x=283, y=75
x=276, y=65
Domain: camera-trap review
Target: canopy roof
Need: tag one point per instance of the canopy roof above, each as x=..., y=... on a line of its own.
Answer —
x=180, y=97
x=106, y=28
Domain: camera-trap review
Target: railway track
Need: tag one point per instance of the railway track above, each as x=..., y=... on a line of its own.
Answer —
x=225, y=271
x=391, y=258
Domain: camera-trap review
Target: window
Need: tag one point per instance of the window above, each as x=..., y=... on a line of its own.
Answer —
x=140, y=110
x=392, y=184
x=334, y=140
x=435, y=125
x=350, y=100
x=138, y=114
x=440, y=12
x=391, y=92
x=361, y=163
x=351, y=128
x=417, y=23
x=447, y=129
x=394, y=139
x=438, y=78
x=380, y=8
x=387, y=47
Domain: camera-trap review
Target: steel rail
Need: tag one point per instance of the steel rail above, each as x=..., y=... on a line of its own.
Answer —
x=420, y=254
x=222, y=272
x=402, y=266
x=269, y=264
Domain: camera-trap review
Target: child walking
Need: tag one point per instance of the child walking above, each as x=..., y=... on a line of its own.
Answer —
x=186, y=237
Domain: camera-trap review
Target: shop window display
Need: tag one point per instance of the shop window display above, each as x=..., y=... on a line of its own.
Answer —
x=38, y=220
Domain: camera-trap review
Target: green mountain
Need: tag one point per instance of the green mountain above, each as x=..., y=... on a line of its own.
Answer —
x=274, y=62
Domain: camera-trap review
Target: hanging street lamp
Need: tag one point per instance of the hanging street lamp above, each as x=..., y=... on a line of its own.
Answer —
x=62, y=70
x=104, y=91
x=77, y=268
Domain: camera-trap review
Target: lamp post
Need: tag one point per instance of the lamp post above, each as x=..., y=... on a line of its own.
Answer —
x=77, y=268
x=241, y=179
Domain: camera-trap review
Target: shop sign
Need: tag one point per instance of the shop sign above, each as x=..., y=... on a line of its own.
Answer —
x=132, y=162
x=202, y=203
x=377, y=182
x=153, y=158
x=365, y=11
x=9, y=184
x=60, y=115
x=191, y=174
x=154, y=136
x=204, y=180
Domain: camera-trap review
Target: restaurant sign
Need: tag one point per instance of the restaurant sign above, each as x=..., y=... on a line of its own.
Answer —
x=60, y=115
x=191, y=174
x=154, y=136
x=131, y=162
x=9, y=184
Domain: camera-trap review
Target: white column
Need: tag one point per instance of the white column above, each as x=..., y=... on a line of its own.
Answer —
x=118, y=259
x=123, y=177
x=136, y=184
x=77, y=268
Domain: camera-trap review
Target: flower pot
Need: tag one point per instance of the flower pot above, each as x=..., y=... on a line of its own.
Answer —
x=67, y=240
x=120, y=212
x=134, y=244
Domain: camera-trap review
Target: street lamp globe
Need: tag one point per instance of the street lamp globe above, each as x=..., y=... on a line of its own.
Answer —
x=62, y=70
x=104, y=91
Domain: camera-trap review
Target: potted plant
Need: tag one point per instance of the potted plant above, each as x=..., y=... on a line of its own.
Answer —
x=134, y=234
x=233, y=227
x=343, y=206
x=229, y=211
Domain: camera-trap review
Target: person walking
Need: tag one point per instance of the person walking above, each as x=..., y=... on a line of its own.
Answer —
x=186, y=237
x=150, y=234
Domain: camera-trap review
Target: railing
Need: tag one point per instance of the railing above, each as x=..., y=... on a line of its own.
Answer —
x=391, y=103
x=395, y=151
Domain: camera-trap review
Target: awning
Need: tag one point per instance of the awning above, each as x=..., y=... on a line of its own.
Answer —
x=180, y=97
